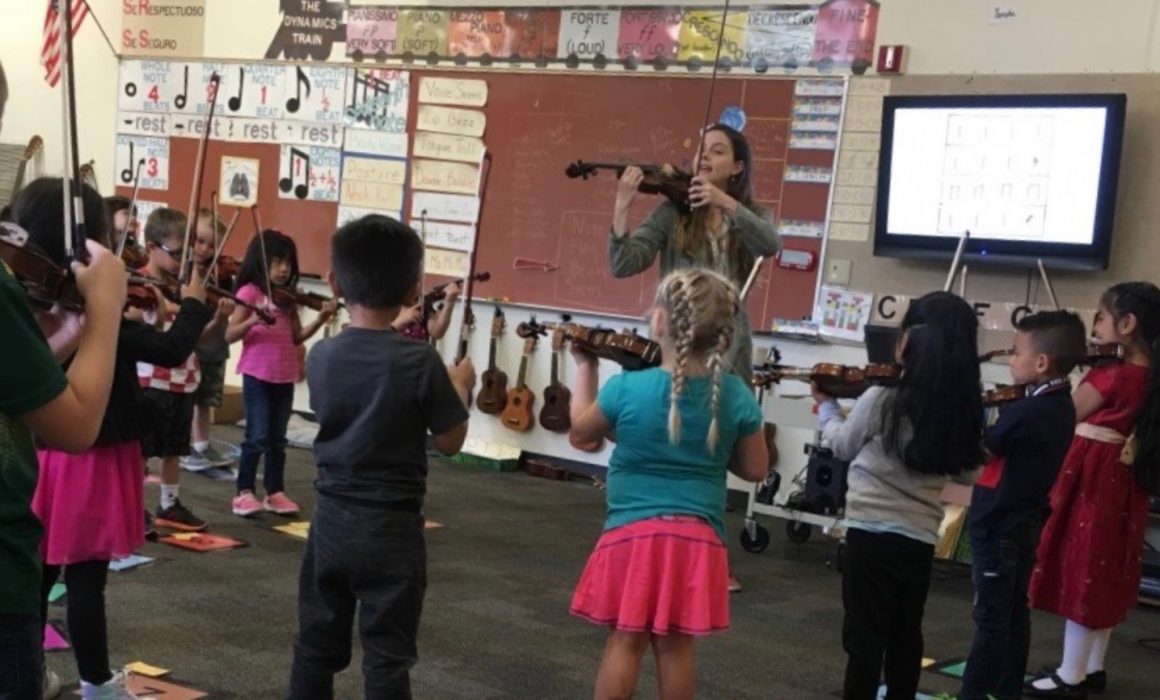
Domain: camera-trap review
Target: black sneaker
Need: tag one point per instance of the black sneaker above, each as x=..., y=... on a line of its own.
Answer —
x=178, y=517
x=150, y=528
x=1097, y=682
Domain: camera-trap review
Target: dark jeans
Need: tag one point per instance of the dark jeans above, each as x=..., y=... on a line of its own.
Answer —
x=268, y=408
x=1002, y=573
x=21, y=657
x=87, y=629
x=374, y=558
x=885, y=579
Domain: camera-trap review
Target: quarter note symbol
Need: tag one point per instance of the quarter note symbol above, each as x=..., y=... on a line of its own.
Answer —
x=235, y=102
x=298, y=168
x=127, y=173
x=295, y=103
x=181, y=98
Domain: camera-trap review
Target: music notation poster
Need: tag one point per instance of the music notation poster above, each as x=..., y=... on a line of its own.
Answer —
x=377, y=99
x=155, y=153
x=310, y=172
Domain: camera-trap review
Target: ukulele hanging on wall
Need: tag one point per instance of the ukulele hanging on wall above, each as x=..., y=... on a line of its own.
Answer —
x=517, y=415
x=556, y=413
x=493, y=392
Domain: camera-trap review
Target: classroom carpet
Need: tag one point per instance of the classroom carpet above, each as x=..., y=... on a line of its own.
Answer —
x=496, y=623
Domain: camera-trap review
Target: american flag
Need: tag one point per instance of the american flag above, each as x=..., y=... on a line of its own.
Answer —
x=50, y=49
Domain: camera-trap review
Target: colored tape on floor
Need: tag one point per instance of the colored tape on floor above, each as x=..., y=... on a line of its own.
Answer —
x=57, y=592
x=144, y=686
x=918, y=696
x=143, y=669
x=130, y=562
x=300, y=529
x=54, y=639
x=201, y=542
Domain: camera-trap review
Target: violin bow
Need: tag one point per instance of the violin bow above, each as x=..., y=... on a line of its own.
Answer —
x=1047, y=283
x=752, y=278
x=258, y=231
x=712, y=86
x=199, y=175
x=423, y=268
x=213, y=227
x=225, y=237
x=132, y=207
x=74, y=209
x=954, y=271
x=484, y=177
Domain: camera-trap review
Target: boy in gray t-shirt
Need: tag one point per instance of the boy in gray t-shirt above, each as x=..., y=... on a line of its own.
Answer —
x=376, y=395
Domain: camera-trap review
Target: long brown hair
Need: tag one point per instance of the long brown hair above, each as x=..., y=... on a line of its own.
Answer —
x=693, y=228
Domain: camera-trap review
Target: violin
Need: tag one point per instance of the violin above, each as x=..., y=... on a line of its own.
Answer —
x=1004, y=394
x=45, y=282
x=439, y=291
x=213, y=294
x=839, y=381
x=227, y=269
x=626, y=349
x=134, y=257
x=663, y=179
x=312, y=300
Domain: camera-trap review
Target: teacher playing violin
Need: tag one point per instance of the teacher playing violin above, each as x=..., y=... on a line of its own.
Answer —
x=725, y=230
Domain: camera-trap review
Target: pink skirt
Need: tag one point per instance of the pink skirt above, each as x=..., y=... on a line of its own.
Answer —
x=92, y=505
x=661, y=576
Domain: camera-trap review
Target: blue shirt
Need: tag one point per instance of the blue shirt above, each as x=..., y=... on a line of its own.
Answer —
x=649, y=476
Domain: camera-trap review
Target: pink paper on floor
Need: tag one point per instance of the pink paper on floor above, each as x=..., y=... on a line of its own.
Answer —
x=54, y=640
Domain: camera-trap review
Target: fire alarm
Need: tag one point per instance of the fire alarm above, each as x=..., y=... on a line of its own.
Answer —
x=890, y=58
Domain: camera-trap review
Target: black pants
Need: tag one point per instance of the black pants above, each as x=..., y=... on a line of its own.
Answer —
x=885, y=579
x=87, y=629
x=1002, y=572
x=21, y=657
x=373, y=558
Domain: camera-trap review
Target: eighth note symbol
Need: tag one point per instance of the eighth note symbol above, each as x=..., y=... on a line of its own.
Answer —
x=294, y=103
x=287, y=183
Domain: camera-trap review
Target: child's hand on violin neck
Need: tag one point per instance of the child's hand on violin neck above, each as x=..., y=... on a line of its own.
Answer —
x=704, y=193
x=225, y=307
x=629, y=183
x=104, y=281
x=583, y=357
x=195, y=287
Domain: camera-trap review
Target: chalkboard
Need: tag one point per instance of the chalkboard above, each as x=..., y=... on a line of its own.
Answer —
x=543, y=237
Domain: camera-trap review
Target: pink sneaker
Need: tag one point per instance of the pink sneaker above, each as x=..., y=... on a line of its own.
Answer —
x=245, y=505
x=280, y=503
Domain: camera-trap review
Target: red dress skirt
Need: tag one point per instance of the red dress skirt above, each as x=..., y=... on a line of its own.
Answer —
x=662, y=575
x=1088, y=564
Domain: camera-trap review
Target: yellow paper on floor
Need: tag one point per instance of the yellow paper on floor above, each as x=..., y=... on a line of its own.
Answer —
x=431, y=525
x=185, y=536
x=300, y=529
x=926, y=663
x=144, y=669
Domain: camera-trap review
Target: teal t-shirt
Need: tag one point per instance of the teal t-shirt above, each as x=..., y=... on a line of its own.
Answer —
x=29, y=379
x=649, y=476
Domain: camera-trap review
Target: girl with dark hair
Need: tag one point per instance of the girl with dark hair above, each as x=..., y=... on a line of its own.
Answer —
x=269, y=366
x=1088, y=567
x=903, y=444
x=725, y=231
x=90, y=503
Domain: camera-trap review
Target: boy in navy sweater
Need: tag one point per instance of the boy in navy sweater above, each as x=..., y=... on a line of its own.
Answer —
x=1025, y=449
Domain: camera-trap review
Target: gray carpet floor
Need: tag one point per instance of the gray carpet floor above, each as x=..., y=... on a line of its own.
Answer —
x=495, y=622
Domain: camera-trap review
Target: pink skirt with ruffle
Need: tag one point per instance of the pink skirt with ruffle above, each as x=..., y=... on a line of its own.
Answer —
x=91, y=505
x=665, y=575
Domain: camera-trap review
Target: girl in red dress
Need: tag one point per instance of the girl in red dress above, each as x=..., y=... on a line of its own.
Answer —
x=1088, y=568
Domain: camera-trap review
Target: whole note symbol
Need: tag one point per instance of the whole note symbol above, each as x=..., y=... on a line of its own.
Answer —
x=287, y=183
x=294, y=103
x=235, y=102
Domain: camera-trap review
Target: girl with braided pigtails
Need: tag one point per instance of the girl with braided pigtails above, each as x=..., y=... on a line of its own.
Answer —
x=659, y=573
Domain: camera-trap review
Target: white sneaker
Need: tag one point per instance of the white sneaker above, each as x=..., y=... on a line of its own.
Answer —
x=51, y=685
x=113, y=689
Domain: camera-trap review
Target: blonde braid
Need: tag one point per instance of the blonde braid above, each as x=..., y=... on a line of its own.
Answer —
x=681, y=319
x=716, y=364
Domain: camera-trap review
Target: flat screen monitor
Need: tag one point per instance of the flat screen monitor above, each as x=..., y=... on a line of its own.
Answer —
x=1029, y=176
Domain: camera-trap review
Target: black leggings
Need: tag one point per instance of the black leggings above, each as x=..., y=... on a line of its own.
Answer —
x=87, y=629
